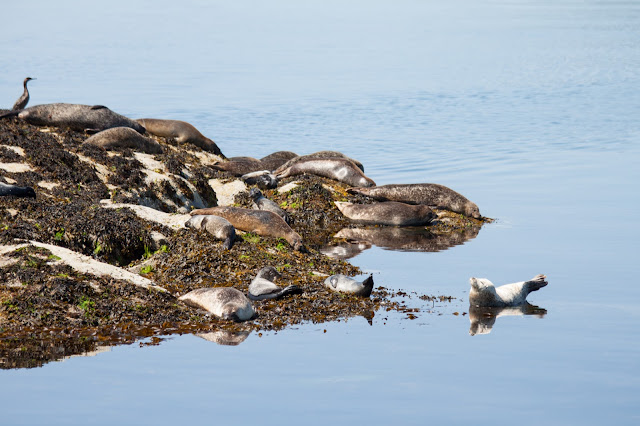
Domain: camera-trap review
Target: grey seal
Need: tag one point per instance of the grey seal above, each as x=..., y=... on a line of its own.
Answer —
x=77, y=117
x=263, y=179
x=484, y=293
x=345, y=284
x=320, y=154
x=117, y=138
x=23, y=100
x=181, y=131
x=223, y=302
x=431, y=194
x=387, y=213
x=263, y=203
x=17, y=191
x=217, y=226
x=339, y=169
x=258, y=221
x=262, y=287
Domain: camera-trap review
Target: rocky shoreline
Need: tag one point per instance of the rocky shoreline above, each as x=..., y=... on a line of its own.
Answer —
x=50, y=310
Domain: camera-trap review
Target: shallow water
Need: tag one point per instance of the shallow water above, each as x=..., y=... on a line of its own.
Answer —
x=530, y=109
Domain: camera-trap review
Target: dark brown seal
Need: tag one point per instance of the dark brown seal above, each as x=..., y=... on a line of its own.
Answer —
x=430, y=194
x=339, y=169
x=257, y=221
x=387, y=213
x=181, y=131
x=123, y=137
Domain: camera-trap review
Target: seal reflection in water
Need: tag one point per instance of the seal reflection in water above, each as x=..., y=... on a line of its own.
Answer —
x=345, y=284
x=482, y=319
x=223, y=302
x=262, y=286
x=483, y=293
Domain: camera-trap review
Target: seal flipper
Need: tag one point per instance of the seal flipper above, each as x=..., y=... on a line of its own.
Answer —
x=368, y=286
x=536, y=283
x=289, y=290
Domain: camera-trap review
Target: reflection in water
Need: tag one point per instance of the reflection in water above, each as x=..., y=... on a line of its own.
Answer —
x=483, y=318
x=395, y=238
x=227, y=338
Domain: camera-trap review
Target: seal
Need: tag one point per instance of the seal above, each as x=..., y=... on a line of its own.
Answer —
x=263, y=179
x=277, y=159
x=339, y=169
x=223, y=302
x=431, y=194
x=257, y=221
x=82, y=118
x=23, y=100
x=181, y=131
x=320, y=154
x=239, y=166
x=484, y=293
x=345, y=284
x=263, y=203
x=117, y=138
x=387, y=213
x=217, y=226
x=16, y=191
x=262, y=286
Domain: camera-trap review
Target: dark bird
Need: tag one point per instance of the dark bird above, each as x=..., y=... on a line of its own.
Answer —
x=23, y=100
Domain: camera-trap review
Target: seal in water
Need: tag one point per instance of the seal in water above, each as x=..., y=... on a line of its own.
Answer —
x=387, y=213
x=262, y=286
x=431, y=194
x=117, y=138
x=264, y=179
x=263, y=203
x=257, y=221
x=77, y=117
x=24, y=99
x=484, y=293
x=320, y=154
x=181, y=131
x=223, y=302
x=18, y=191
x=345, y=284
x=217, y=226
x=339, y=169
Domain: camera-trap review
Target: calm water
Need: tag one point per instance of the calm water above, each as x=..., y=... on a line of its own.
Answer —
x=530, y=109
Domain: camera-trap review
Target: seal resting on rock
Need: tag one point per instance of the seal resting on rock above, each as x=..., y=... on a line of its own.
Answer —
x=223, y=302
x=257, y=221
x=77, y=117
x=484, y=293
x=264, y=179
x=117, y=138
x=339, y=169
x=319, y=154
x=263, y=203
x=387, y=213
x=217, y=226
x=181, y=131
x=17, y=191
x=262, y=286
x=345, y=284
x=431, y=194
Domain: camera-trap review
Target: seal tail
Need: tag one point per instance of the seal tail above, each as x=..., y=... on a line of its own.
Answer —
x=368, y=286
x=536, y=283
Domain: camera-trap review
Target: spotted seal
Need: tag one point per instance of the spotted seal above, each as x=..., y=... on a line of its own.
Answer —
x=117, y=138
x=223, y=302
x=387, y=213
x=431, y=194
x=217, y=226
x=258, y=221
x=345, y=284
x=77, y=117
x=484, y=293
x=181, y=131
x=339, y=169
x=262, y=287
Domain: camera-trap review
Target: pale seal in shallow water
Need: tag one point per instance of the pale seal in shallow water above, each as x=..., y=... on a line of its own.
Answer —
x=431, y=194
x=23, y=100
x=345, y=284
x=257, y=221
x=181, y=131
x=223, y=302
x=484, y=293
x=263, y=203
x=262, y=286
x=217, y=226
x=17, y=191
x=339, y=169
x=77, y=117
x=387, y=213
x=117, y=138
